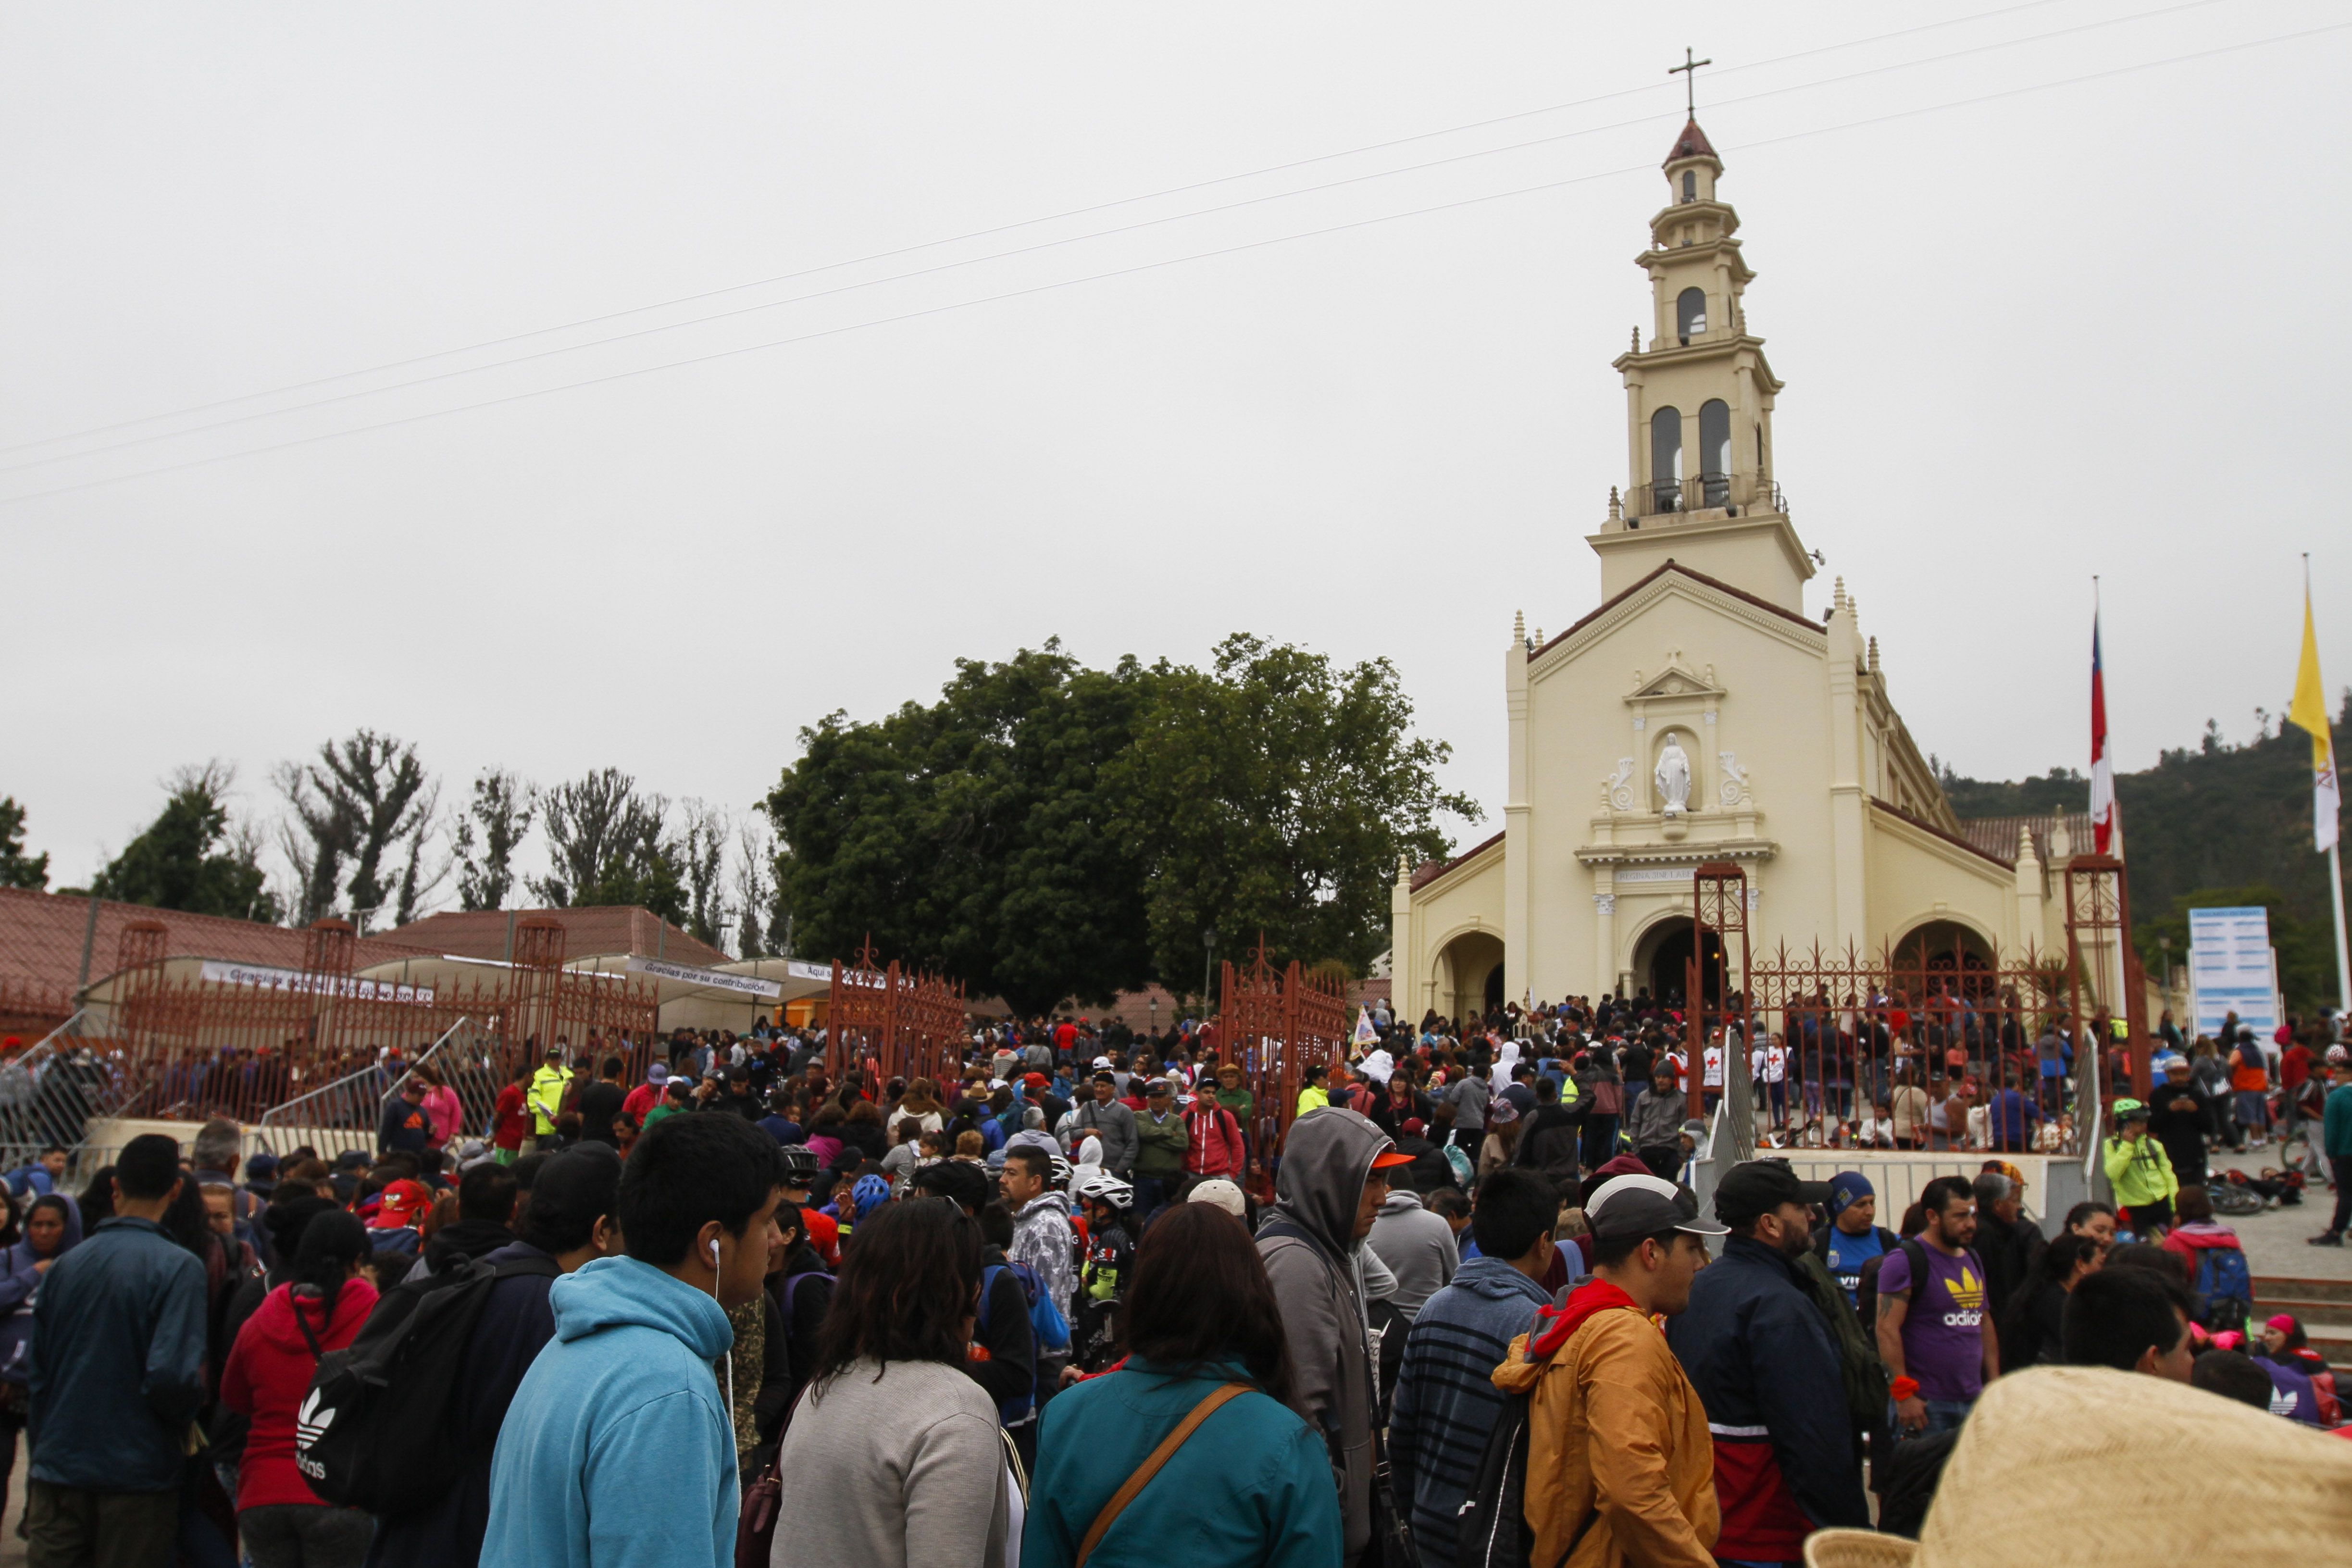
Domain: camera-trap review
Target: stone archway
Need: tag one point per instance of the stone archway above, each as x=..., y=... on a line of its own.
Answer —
x=1943, y=954
x=1469, y=975
x=1661, y=960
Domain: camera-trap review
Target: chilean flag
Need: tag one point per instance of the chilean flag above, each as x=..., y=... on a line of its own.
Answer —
x=2103, y=776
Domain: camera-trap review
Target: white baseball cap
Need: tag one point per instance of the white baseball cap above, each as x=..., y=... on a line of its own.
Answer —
x=1222, y=1193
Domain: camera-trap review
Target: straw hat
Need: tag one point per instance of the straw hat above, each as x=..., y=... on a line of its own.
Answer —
x=2073, y=1466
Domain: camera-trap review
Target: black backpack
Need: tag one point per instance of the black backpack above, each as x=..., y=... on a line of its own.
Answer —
x=1862, y=1372
x=375, y=1432
x=1491, y=1530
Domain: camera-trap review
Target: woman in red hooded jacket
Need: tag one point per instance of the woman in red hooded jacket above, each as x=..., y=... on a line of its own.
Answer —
x=283, y=1522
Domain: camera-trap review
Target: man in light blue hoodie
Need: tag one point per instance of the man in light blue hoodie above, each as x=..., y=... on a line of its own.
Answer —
x=1446, y=1400
x=619, y=1450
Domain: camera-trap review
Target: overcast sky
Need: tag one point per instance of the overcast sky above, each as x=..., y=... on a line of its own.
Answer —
x=2093, y=328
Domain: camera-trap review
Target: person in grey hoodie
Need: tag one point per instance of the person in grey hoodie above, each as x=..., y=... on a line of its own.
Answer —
x=1114, y=1123
x=1333, y=1180
x=1446, y=1402
x=1657, y=1122
x=1417, y=1246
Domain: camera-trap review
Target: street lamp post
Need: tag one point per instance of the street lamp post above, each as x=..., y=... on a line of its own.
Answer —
x=1208, y=958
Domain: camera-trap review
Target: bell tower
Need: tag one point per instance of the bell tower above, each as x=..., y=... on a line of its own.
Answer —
x=1698, y=407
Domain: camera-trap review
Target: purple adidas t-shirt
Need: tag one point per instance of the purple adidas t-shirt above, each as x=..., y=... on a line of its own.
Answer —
x=1943, y=1331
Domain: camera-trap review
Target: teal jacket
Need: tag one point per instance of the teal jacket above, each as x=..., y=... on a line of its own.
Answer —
x=2336, y=1126
x=617, y=1450
x=1252, y=1487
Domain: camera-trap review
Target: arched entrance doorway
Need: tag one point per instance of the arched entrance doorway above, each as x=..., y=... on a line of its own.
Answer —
x=1943, y=956
x=1665, y=965
x=1469, y=978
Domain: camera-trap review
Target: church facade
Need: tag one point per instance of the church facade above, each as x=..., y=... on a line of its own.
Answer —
x=1701, y=714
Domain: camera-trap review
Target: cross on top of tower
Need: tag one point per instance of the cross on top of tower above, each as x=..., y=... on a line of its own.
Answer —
x=1688, y=71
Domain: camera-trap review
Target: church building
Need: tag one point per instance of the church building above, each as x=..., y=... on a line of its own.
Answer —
x=1701, y=711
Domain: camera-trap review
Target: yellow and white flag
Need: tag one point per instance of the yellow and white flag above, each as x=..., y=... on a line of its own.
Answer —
x=2309, y=714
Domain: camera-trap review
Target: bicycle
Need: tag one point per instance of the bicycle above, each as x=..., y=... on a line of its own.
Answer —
x=2232, y=1197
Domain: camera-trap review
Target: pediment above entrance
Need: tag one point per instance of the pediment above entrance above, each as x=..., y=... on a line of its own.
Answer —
x=1677, y=680
x=1674, y=581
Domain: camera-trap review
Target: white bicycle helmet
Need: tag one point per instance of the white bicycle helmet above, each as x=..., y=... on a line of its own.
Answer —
x=1103, y=1187
x=1061, y=1168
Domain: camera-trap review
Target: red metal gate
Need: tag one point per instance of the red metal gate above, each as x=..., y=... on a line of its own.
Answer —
x=1275, y=1023
x=903, y=1024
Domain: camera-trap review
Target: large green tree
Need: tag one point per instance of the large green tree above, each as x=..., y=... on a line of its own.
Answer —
x=362, y=797
x=1271, y=793
x=1046, y=831
x=493, y=826
x=190, y=858
x=610, y=844
x=970, y=835
x=19, y=869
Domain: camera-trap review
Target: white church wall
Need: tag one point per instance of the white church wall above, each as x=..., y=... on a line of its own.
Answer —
x=1464, y=902
x=1916, y=877
x=1770, y=716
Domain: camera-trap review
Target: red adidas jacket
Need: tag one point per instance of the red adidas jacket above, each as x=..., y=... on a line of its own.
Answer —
x=269, y=1377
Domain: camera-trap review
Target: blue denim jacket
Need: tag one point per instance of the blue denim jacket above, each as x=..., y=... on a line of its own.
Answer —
x=117, y=1367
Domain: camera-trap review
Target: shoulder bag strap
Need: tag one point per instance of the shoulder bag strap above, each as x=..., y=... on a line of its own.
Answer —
x=1915, y=1252
x=1216, y=1399
x=303, y=1321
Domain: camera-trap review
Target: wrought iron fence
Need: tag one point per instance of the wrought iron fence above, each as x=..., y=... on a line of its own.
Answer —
x=1926, y=1046
x=316, y=1049
x=902, y=1023
x=1275, y=1023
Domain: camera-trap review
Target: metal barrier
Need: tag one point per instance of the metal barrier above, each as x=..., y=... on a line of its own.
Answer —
x=48, y=1093
x=346, y=1113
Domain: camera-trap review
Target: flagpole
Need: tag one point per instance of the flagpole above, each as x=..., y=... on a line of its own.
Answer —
x=2335, y=863
x=2343, y=958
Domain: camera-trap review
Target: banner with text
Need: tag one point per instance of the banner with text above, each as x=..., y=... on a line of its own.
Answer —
x=2232, y=969
x=270, y=979
x=715, y=979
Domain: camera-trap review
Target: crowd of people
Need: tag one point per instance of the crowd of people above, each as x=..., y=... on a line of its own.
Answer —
x=1087, y=1301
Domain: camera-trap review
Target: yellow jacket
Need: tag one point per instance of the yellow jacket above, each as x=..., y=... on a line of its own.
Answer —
x=1615, y=1430
x=2140, y=1170
x=546, y=1097
x=1314, y=1097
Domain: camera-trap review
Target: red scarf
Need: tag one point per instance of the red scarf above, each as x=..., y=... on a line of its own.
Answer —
x=1554, y=1326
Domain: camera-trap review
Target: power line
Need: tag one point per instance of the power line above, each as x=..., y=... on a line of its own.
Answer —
x=1009, y=227
x=1165, y=262
x=1039, y=246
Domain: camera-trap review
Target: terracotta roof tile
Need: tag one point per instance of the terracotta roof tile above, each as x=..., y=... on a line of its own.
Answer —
x=1692, y=144
x=1997, y=835
x=1430, y=870
x=41, y=939
x=601, y=929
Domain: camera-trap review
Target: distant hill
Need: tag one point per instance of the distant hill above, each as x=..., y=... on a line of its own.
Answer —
x=2215, y=825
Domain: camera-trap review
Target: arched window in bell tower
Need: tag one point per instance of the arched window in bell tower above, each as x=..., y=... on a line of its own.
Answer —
x=1690, y=184
x=1666, y=460
x=1715, y=451
x=1690, y=314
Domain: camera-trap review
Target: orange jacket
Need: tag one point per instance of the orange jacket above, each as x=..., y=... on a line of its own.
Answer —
x=1615, y=1427
x=2249, y=1078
